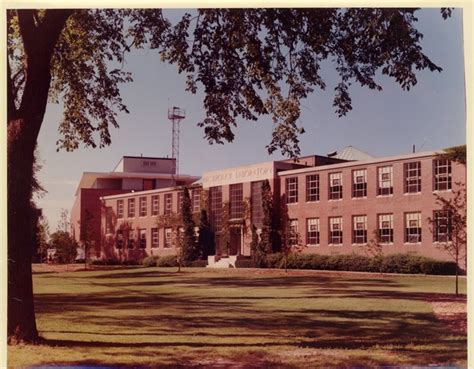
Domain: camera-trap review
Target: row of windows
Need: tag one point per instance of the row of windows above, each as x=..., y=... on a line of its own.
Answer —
x=155, y=204
x=132, y=239
x=412, y=182
x=412, y=229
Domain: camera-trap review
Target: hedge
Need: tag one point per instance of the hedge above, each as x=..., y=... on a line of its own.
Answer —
x=396, y=263
x=167, y=261
x=198, y=264
x=149, y=261
x=112, y=261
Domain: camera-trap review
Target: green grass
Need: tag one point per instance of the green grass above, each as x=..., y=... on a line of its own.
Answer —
x=157, y=317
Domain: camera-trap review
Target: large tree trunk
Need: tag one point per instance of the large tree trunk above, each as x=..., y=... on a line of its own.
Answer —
x=24, y=123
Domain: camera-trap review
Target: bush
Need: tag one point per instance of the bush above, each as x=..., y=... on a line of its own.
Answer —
x=438, y=267
x=245, y=263
x=112, y=261
x=149, y=261
x=80, y=261
x=167, y=261
x=198, y=264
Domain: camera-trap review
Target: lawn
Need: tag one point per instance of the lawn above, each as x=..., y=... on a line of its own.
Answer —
x=240, y=318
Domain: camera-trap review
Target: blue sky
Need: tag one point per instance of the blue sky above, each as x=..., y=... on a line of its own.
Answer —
x=430, y=116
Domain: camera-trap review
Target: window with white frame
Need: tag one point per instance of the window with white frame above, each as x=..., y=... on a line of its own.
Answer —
x=180, y=201
x=385, y=181
x=168, y=203
x=312, y=231
x=154, y=237
x=142, y=206
x=335, y=186
x=312, y=187
x=155, y=205
x=131, y=208
x=196, y=199
x=335, y=230
x=385, y=228
x=119, y=209
x=359, y=229
x=143, y=238
x=293, y=232
x=412, y=177
x=442, y=174
x=359, y=183
x=119, y=239
x=441, y=226
x=292, y=190
x=131, y=239
x=413, y=227
x=168, y=237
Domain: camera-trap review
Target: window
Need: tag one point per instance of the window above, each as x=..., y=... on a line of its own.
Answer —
x=293, y=232
x=215, y=200
x=385, y=223
x=312, y=187
x=335, y=186
x=413, y=227
x=196, y=200
x=168, y=235
x=359, y=229
x=359, y=183
x=385, y=181
x=131, y=208
x=312, y=231
x=143, y=238
x=155, y=205
x=180, y=201
x=143, y=206
x=168, y=203
x=109, y=226
x=131, y=239
x=335, y=230
x=154, y=238
x=236, y=201
x=442, y=174
x=441, y=226
x=292, y=190
x=119, y=209
x=119, y=240
x=412, y=177
x=256, y=203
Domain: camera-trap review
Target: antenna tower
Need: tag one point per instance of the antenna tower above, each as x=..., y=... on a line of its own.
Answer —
x=175, y=115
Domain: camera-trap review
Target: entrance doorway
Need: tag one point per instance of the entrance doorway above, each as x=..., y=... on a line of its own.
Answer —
x=235, y=246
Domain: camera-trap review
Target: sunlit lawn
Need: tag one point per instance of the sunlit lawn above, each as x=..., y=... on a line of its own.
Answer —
x=238, y=318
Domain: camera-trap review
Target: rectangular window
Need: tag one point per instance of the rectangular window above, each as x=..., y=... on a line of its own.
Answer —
x=180, y=202
x=312, y=231
x=335, y=230
x=196, y=200
x=442, y=174
x=236, y=201
x=293, y=232
x=413, y=227
x=441, y=226
x=359, y=183
x=335, y=186
x=109, y=225
x=119, y=209
x=359, y=229
x=385, y=228
x=131, y=208
x=154, y=238
x=142, y=206
x=215, y=201
x=412, y=177
x=131, y=239
x=292, y=190
x=168, y=236
x=155, y=205
x=256, y=203
x=312, y=187
x=119, y=239
x=385, y=181
x=168, y=203
x=143, y=238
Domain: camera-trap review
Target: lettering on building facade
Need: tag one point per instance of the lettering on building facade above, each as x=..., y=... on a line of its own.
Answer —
x=237, y=175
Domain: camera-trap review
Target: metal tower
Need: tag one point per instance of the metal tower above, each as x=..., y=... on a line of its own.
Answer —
x=175, y=114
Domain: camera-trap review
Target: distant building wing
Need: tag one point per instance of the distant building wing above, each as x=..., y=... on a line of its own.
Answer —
x=351, y=153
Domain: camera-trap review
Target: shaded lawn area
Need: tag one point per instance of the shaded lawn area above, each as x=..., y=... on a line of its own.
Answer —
x=240, y=318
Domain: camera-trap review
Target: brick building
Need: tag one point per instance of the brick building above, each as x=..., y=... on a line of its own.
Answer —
x=333, y=202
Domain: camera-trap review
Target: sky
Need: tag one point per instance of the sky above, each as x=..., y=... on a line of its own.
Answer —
x=431, y=116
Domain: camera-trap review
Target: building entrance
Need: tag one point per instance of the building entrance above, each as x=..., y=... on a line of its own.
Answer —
x=235, y=246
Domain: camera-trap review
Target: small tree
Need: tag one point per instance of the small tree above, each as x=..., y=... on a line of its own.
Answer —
x=42, y=237
x=64, y=224
x=206, y=242
x=290, y=238
x=267, y=242
x=374, y=248
x=188, y=245
x=65, y=245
